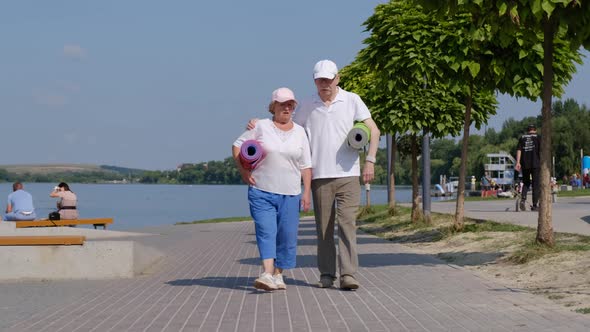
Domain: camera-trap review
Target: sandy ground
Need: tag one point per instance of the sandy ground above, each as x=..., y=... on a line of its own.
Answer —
x=563, y=277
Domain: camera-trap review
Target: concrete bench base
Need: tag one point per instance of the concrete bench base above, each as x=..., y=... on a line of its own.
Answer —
x=93, y=260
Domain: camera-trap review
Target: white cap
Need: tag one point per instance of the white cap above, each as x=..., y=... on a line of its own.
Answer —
x=325, y=69
x=282, y=95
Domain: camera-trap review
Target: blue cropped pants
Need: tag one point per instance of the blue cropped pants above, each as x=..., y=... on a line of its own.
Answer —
x=276, y=219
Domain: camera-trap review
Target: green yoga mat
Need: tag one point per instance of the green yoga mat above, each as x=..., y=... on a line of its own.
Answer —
x=359, y=136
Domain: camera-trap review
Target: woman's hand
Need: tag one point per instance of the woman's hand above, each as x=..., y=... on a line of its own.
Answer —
x=247, y=177
x=305, y=201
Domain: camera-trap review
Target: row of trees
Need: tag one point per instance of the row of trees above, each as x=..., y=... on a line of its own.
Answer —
x=570, y=129
x=70, y=177
x=571, y=134
x=211, y=172
x=425, y=57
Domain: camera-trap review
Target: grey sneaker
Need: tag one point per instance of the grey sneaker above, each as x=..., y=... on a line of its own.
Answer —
x=279, y=282
x=348, y=282
x=326, y=281
x=266, y=282
x=522, y=206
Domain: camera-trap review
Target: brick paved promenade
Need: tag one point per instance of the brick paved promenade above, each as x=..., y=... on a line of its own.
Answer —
x=204, y=284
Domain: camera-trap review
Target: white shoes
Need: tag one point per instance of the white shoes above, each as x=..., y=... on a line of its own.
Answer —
x=269, y=282
x=279, y=281
x=266, y=282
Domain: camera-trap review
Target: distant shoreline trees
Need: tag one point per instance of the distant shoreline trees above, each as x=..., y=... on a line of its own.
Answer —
x=571, y=133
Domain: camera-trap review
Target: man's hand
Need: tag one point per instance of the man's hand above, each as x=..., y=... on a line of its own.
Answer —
x=251, y=124
x=517, y=167
x=368, y=172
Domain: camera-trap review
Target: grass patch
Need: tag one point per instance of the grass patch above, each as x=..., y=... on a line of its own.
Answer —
x=214, y=220
x=482, y=238
x=563, y=242
x=306, y=214
x=531, y=250
x=232, y=219
x=492, y=226
x=574, y=193
x=399, y=228
x=583, y=310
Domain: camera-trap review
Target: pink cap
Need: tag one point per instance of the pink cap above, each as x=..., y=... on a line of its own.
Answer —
x=282, y=95
x=325, y=69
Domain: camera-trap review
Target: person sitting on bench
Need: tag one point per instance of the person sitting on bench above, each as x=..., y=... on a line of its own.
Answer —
x=20, y=204
x=66, y=206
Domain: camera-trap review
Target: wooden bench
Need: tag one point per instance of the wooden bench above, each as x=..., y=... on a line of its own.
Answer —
x=53, y=223
x=46, y=240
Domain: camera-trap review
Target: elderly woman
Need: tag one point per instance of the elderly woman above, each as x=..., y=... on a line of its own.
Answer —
x=66, y=205
x=274, y=191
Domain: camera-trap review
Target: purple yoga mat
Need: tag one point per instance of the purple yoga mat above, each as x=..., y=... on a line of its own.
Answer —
x=251, y=154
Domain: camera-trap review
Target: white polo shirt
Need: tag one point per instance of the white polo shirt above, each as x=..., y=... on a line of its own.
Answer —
x=327, y=128
x=287, y=153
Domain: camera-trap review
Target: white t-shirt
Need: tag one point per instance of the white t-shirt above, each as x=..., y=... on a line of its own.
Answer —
x=327, y=128
x=287, y=153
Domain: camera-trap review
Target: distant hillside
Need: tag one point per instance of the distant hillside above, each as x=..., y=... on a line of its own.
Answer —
x=85, y=173
x=66, y=168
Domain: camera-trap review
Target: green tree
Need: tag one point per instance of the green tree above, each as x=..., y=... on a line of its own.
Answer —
x=401, y=73
x=552, y=31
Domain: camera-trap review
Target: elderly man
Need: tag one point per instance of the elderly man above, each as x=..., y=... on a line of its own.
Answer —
x=327, y=118
x=20, y=204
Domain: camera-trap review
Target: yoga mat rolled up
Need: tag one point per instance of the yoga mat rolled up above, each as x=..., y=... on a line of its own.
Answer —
x=251, y=154
x=359, y=136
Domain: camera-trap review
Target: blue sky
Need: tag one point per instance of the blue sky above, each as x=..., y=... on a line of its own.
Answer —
x=152, y=84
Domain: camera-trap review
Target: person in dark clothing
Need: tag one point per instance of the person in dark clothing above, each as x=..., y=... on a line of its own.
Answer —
x=528, y=162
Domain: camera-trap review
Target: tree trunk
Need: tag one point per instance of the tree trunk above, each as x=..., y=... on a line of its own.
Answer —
x=392, y=176
x=416, y=212
x=460, y=208
x=545, y=224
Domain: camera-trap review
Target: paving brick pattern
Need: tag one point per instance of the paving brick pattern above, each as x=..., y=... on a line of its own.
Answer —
x=205, y=284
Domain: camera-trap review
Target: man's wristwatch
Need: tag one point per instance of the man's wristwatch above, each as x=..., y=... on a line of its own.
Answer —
x=371, y=159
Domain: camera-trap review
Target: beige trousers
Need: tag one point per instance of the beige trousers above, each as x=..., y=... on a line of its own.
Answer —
x=336, y=200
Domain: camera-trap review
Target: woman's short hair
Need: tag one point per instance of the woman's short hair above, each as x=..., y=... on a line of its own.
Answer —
x=271, y=106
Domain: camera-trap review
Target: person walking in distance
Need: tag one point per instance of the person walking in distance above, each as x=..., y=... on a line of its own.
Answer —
x=528, y=162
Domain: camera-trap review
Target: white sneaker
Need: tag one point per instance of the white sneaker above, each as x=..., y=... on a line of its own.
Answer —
x=279, y=281
x=266, y=282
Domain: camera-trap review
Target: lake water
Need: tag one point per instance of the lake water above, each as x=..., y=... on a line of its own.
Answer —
x=140, y=205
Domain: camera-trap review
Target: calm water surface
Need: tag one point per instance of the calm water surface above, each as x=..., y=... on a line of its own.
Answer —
x=139, y=205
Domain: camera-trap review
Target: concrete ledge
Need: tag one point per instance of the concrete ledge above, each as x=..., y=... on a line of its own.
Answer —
x=93, y=260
